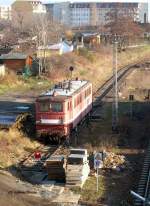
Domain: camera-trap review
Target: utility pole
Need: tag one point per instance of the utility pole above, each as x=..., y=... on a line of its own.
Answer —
x=44, y=36
x=39, y=53
x=115, y=87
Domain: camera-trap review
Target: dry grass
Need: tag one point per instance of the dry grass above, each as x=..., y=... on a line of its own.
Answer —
x=97, y=68
x=89, y=192
x=9, y=81
x=99, y=137
x=12, y=83
x=13, y=147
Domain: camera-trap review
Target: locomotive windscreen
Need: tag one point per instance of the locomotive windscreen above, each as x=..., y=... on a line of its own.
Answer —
x=44, y=106
x=50, y=106
x=56, y=107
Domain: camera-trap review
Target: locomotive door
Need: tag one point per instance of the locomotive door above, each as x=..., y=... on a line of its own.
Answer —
x=69, y=113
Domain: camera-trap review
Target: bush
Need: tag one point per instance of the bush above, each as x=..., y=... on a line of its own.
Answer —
x=86, y=53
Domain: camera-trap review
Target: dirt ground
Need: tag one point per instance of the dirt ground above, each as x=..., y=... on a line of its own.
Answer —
x=12, y=193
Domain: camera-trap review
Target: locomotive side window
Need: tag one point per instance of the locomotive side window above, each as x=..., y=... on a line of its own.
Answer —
x=75, y=102
x=68, y=106
x=80, y=98
x=56, y=107
x=87, y=92
x=44, y=106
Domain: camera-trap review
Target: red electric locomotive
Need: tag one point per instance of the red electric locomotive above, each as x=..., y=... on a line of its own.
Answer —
x=60, y=109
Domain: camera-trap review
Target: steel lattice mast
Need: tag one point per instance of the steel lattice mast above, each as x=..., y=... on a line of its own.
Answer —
x=115, y=87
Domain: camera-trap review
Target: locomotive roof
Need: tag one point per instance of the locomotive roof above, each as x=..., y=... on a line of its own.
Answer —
x=64, y=89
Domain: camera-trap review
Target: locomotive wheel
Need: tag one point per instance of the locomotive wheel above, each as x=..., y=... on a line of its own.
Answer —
x=74, y=136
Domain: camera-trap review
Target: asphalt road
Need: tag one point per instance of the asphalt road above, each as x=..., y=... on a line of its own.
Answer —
x=10, y=109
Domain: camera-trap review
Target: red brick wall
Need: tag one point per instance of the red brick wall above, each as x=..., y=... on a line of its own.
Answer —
x=15, y=64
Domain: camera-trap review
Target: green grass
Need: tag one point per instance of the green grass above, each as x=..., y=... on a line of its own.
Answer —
x=83, y=72
x=36, y=84
x=24, y=85
x=86, y=53
x=4, y=88
x=89, y=191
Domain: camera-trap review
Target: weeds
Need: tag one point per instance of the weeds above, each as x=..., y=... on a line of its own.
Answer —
x=12, y=82
x=86, y=53
x=13, y=145
x=89, y=193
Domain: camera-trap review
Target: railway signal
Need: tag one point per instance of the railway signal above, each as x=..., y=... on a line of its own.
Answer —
x=37, y=155
x=115, y=87
x=71, y=70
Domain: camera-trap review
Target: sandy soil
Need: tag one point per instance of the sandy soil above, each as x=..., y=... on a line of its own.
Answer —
x=12, y=193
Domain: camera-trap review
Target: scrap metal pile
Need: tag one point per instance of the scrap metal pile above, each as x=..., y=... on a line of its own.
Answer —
x=115, y=161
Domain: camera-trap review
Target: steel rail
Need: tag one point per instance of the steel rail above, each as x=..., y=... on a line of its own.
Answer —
x=107, y=86
x=29, y=163
x=147, y=189
x=144, y=183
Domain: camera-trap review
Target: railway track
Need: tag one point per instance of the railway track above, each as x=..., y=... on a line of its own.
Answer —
x=30, y=164
x=144, y=182
x=9, y=112
x=107, y=86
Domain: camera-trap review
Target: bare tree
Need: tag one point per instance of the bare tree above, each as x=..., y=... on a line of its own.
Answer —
x=46, y=29
x=121, y=21
x=9, y=36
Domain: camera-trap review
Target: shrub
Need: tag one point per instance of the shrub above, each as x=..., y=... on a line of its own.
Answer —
x=86, y=53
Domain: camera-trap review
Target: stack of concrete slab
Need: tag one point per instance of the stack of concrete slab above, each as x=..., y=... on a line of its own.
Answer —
x=77, y=168
x=55, y=166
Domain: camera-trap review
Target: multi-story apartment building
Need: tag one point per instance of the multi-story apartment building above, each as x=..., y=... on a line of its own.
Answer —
x=61, y=12
x=144, y=12
x=79, y=14
x=76, y=14
x=5, y=12
x=28, y=6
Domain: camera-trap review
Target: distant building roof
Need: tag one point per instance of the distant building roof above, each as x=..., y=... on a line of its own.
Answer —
x=13, y=56
x=87, y=34
x=62, y=47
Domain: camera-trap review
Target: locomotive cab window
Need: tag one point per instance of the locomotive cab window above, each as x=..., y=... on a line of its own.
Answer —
x=56, y=107
x=44, y=106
